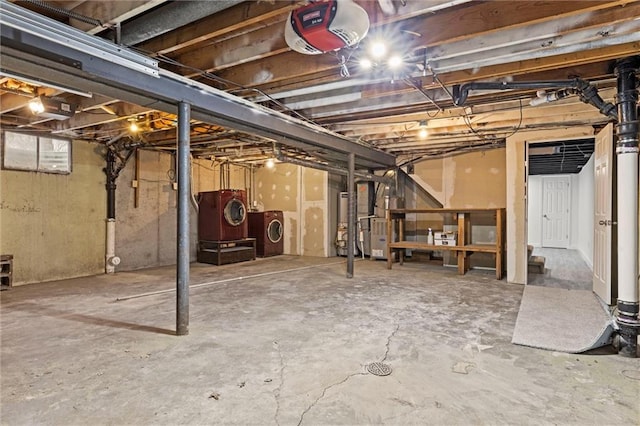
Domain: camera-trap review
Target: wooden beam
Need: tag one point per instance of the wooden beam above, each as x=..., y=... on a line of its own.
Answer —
x=246, y=15
x=260, y=44
x=445, y=26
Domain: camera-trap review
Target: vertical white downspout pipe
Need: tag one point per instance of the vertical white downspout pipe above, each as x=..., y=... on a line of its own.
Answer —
x=627, y=150
x=110, y=259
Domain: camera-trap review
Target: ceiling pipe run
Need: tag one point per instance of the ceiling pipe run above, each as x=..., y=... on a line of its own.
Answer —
x=587, y=92
x=627, y=174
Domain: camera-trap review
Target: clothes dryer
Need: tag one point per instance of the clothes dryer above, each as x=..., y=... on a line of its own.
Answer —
x=222, y=215
x=268, y=229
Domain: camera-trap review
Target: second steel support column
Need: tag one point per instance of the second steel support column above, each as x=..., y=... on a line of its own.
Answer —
x=351, y=214
x=182, y=284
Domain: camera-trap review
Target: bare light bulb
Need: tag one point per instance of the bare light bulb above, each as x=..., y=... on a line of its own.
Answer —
x=366, y=64
x=395, y=62
x=423, y=132
x=134, y=127
x=270, y=164
x=35, y=105
x=378, y=49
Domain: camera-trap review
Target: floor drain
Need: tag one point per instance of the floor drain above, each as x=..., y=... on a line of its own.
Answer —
x=379, y=369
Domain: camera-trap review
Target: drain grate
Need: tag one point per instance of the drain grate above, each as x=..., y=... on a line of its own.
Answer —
x=379, y=369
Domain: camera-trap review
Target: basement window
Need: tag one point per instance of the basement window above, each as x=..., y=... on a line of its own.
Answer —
x=23, y=151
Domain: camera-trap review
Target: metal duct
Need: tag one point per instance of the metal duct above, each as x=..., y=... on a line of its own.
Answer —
x=168, y=18
x=627, y=174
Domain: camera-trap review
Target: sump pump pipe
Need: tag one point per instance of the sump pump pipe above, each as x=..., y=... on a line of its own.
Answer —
x=588, y=93
x=627, y=175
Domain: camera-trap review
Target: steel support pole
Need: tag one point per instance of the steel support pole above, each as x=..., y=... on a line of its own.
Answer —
x=182, y=291
x=351, y=213
x=627, y=173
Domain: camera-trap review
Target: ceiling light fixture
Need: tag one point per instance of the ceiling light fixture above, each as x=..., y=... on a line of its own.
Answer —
x=133, y=125
x=36, y=106
x=423, y=132
x=366, y=64
x=270, y=164
x=378, y=49
x=395, y=62
x=55, y=108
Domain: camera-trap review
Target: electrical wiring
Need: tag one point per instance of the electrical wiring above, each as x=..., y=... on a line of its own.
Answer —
x=210, y=76
x=420, y=89
x=443, y=153
x=467, y=121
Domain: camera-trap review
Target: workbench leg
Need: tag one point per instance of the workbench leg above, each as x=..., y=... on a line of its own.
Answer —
x=463, y=262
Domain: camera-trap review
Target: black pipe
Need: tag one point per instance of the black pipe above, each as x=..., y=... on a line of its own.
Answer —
x=184, y=195
x=588, y=93
x=111, y=171
x=627, y=129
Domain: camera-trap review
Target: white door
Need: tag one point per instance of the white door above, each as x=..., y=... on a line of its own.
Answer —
x=556, y=200
x=602, y=220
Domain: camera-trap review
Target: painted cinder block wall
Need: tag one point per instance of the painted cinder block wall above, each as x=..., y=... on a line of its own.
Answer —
x=54, y=224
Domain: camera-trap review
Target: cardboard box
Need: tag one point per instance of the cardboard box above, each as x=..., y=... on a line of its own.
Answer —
x=442, y=238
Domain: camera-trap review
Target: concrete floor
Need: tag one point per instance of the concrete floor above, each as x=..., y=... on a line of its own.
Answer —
x=292, y=348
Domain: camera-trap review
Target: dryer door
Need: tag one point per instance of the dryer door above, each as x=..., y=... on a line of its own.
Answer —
x=235, y=212
x=274, y=231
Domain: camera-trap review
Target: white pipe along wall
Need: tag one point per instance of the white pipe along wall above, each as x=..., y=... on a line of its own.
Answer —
x=110, y=258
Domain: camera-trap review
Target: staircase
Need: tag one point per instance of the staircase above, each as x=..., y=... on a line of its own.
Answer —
x=535, y=263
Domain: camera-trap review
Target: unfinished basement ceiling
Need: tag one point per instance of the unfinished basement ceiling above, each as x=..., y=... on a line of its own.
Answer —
x=561, y=157
x=239, y=48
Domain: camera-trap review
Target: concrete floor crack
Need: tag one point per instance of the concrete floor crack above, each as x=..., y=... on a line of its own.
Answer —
x=324, y=391
x=386, y=353
x=276, y=392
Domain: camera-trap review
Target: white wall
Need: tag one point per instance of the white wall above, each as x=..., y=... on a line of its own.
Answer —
x=534, y=211
x=586, y=203
x=581, y=215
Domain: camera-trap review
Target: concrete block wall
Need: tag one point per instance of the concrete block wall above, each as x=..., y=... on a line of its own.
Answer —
x=54, y=224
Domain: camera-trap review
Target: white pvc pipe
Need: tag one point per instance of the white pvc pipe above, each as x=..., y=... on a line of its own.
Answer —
x=628, y=227
x=110, y=258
